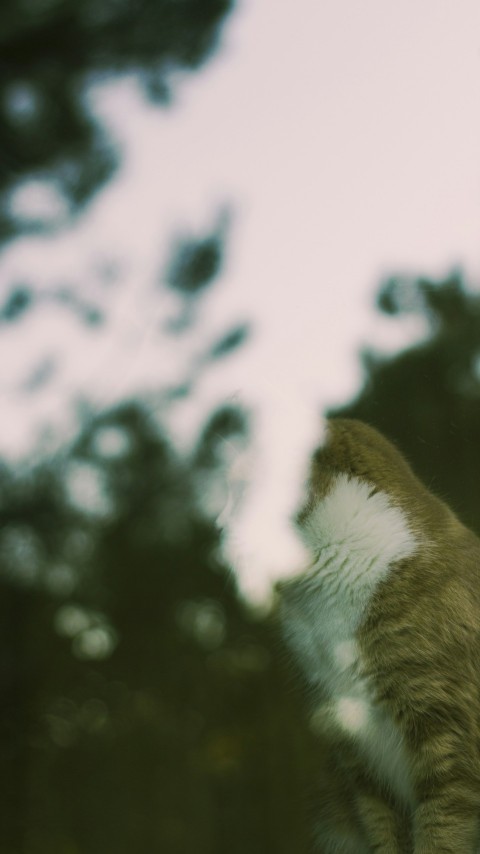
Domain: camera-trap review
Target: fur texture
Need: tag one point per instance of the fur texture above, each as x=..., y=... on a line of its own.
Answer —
x=385, y=623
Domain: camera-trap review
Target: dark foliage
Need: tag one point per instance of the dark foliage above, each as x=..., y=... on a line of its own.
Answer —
x=49, y=53
x=143, y=708
x=195, y=263
x=229, y=342
x=18, y=301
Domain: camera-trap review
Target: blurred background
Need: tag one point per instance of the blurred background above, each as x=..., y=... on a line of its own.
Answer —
x=202, y=201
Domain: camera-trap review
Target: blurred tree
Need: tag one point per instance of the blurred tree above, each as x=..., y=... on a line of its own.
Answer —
x=50, y=52
x=196, y=262
x=143, y=708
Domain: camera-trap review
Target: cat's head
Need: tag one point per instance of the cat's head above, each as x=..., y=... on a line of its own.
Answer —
x=295, y=499
x=365, y=471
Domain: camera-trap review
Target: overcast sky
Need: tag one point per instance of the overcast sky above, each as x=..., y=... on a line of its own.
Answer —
x=343, y=137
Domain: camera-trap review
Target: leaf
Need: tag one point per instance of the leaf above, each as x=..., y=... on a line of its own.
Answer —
x=233, y=339
x=195, y=264
x=19, y=300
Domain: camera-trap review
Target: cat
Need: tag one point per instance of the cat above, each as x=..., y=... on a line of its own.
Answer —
x=385, y=624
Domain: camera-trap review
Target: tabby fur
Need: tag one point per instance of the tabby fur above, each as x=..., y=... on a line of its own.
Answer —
x=385, y=623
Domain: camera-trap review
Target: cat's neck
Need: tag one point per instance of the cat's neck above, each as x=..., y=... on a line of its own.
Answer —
x=355, y=534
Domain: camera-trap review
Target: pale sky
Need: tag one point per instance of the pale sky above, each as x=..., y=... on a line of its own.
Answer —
x=344, y=137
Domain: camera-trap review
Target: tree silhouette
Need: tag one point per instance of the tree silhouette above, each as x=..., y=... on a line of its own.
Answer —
x=145, y=709
x=51, y=52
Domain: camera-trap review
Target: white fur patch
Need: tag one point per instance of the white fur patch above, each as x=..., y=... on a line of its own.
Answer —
x=361, y=529
x=354, y=536
x=351, y=713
